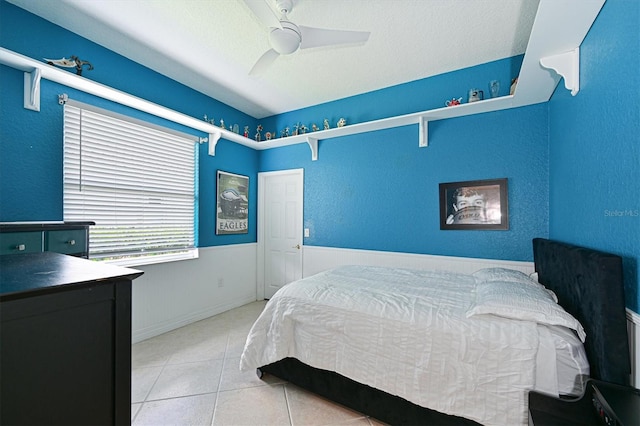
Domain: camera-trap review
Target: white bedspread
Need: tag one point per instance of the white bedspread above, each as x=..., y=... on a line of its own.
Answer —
x=479, y=368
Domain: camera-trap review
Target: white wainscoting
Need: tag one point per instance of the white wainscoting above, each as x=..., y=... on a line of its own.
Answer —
x=174, y=294
x=317, y=259
x=633, y=330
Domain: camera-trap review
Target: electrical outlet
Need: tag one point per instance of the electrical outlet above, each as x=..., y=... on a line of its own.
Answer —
x=306, y=232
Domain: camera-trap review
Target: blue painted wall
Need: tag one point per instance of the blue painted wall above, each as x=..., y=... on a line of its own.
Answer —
x=573, y=164
x=31, y=142
x=595, y=145
x=379, y=190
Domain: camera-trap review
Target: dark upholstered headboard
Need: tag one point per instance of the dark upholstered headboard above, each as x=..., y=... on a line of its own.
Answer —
x=589, y=286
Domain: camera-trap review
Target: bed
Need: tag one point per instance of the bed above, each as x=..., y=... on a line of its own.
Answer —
x=454, y=361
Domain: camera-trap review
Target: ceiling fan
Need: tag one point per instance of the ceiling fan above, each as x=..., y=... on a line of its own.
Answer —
x=286, y=37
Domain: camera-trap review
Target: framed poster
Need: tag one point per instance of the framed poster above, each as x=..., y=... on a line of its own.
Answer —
x=476, y=204
x=232, y=212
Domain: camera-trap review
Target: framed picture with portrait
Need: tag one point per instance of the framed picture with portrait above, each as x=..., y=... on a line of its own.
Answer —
x=232, y=209
x=473, y=205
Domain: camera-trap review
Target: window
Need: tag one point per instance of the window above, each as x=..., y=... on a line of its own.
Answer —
x=136, y=181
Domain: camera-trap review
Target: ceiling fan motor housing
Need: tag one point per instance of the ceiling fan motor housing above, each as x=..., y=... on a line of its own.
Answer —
x=284, y=6
x=287, y=39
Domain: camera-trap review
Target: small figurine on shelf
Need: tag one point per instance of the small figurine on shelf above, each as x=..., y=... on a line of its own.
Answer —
x=246, y=131
x=303, y=129
x=72, y=62
x=267, y=136
x=453, y=102
x=475, y=95
x=205, y=118
x=342, y=122
x=286, y=132
x=494, y=88
x=235, y=129
x=314, y=127
x=295, y=129
x=258, y=135
x=514, y=83
x=222, y=124
x=80, y=63
x=326, y=123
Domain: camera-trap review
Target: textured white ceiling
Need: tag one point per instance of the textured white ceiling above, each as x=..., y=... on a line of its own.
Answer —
x=211, y=45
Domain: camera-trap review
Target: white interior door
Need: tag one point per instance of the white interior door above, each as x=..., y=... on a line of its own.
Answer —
x=280, y=211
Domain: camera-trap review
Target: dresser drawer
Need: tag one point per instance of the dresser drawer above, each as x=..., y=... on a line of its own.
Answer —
x=20, y=242
x=66, y=241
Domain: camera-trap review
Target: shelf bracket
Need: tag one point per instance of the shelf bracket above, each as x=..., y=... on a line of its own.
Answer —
x=32, y=89
x=313, y=144
x=213, y=141
x=568, y=66
x=424, y=132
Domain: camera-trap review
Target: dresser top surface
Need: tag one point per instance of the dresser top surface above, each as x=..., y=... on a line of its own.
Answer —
x=41, y=226
x=22, y=274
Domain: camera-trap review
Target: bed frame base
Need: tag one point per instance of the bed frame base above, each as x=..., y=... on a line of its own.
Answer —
x=380, y=405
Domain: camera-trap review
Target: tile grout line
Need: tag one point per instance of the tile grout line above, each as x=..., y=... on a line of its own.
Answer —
x=224, y=363
x=286, y=399
x=144, y=400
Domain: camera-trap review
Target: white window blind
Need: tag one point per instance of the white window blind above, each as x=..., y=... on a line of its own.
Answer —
x=135, y=181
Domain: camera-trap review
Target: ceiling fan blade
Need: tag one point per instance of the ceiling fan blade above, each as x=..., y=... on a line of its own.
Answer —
x=317, y=37
x=264, y=13
x=263, y=63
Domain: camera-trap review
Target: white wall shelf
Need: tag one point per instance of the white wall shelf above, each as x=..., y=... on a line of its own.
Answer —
x=558, y=31
x=421, y=118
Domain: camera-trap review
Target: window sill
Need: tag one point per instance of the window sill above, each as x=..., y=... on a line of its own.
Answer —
x=151, y=260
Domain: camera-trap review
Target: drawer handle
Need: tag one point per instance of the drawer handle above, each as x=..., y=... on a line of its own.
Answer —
x=71, y=242
x=21, y=247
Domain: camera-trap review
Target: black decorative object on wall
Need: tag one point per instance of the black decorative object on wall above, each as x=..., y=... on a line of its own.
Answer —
x=72, y=62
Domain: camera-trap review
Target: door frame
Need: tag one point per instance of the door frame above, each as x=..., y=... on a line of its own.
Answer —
x=262, y=179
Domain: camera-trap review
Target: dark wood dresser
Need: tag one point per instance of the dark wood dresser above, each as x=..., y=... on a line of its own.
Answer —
x=34, y=237
x=65, y=340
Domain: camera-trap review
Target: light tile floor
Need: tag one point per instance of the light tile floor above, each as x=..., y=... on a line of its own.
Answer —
x=190, y=376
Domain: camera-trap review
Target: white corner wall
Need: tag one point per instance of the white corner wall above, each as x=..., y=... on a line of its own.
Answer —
x=174, y=294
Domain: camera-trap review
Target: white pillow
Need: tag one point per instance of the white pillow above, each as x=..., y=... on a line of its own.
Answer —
x=508, y=275
x=502, y=274
x=521, y=301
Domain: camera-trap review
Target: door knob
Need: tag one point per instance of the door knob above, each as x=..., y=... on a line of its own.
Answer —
x=297, y=246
